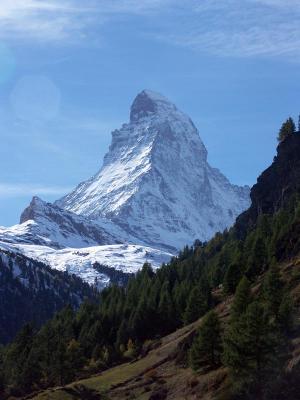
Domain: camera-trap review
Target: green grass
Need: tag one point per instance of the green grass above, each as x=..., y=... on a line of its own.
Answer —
x=122, y=373
x=102, y=383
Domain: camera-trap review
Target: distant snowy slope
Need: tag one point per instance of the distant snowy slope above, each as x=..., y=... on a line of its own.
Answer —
x=69, y=242
x=31, y=291
x=122, y=257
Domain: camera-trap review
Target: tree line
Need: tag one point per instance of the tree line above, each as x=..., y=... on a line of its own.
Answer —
x=124, y=320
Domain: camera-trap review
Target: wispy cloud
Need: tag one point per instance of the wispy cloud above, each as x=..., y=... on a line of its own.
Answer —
x=56, y=20
x=44, y=20
x=242, y=29
x=231, y=28
x=21, y=190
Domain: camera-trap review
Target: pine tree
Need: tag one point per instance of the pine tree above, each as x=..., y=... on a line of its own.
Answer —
x=272, y=290
x=258, y=259
x=251, y=346
x=205, y=289
x=59, y=366
x=180, y=295
x=166, y=310
x=285, y=314
x=207, y=345
x=75, y=359
x=196, y=306
x=232, y=278
x=242, y=298
x=97, y=352
x=21, y=363
x=123, y=333
x=287, y=129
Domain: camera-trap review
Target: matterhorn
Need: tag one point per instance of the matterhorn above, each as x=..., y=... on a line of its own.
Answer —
x=154, y=194
x=156, y=183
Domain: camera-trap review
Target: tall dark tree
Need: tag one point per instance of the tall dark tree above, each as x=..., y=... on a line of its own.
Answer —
x=196, y=306
x=207, y=346
x=21, y=368
x=251, y=351
x=287, y=129
x=272, y=290
x=258, y=259
x=232, y=278
x=242, y=298
x=285, y=314
x=166, y=309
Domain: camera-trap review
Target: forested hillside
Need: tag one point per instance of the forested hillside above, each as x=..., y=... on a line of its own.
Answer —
x=32, y=291
x=253, y=343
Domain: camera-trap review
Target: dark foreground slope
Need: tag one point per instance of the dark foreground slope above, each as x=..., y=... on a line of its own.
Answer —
x=136, y=323
x=32, y=292
x=163, y=373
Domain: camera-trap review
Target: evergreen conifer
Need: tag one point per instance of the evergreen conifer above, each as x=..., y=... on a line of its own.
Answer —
x=207, y=345
x=287, y=129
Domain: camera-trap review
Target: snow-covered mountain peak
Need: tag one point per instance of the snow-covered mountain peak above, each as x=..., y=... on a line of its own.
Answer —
x=152, y=110
x=155, y=182
x=35, y=208
x=154, y=194
x=148, y=103
x=44, y=223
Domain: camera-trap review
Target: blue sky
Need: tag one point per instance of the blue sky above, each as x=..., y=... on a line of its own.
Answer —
x=69, y=71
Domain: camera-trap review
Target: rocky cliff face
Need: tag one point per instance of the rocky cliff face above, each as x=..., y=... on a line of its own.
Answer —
x=276, y=184
x=156, y=183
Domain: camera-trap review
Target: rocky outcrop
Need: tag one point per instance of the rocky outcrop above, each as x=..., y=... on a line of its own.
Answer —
x=276, y=184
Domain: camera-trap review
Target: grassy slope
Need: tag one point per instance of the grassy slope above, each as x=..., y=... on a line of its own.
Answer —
x=161, y=370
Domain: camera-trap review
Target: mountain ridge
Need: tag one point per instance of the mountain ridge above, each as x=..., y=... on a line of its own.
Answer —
x=154, y=193
x=43, y=223
x=151, y=158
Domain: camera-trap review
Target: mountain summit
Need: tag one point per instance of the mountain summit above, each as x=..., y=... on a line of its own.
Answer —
x=148, y=103
x=156, y=183
x=154, y=194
